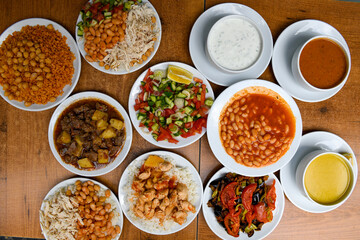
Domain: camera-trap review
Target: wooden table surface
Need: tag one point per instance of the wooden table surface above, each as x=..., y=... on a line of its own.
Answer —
x=28, y=170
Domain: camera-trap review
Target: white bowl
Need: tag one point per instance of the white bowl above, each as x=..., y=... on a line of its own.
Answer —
x=80, y=43
x=119, y=158
x=73, y=48
x=266, y=229
x=295, y=65
x=212, y=31
x=214, y=136
x=128, y=176
x=304, y=164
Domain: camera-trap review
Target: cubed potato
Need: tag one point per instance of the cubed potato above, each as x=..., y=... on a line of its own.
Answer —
x=85, y=163
x=117, y=124
x=98, y=115
x=101, y=124
x=153, y=161
x=78, y=140
x=78, y=150
x=64, y=138
x=103, y=156
x=108, y=133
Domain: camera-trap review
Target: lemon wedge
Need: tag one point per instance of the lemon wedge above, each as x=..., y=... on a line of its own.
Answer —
x=179, y=74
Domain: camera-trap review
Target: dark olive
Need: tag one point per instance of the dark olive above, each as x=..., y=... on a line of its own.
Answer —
x=255, y=198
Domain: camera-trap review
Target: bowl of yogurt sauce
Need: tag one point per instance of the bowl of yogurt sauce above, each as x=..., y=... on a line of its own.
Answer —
x=234, y=43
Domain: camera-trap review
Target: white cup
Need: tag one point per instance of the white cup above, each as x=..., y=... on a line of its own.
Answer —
x=308, y=159
x=295, y=64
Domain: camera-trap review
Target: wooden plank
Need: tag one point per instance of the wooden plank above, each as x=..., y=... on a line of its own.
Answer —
x=339, y=115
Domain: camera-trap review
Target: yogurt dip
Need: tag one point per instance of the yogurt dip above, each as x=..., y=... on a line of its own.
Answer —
x=234, y=43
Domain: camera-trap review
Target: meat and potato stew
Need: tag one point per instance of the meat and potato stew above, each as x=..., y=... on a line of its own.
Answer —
x=89, y=134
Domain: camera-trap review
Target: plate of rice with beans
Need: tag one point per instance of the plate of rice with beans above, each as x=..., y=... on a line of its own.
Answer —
x=254, y=128
x=118, y=37
x=160, y=192
x=39, y=64
x=80, y=208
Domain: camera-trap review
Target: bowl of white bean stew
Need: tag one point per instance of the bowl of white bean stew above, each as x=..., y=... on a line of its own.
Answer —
x=254, y=127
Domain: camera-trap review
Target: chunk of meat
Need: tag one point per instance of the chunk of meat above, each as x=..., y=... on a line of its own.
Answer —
x=113, y=150
x=92, y=156
x=145, y=175
x=148, y=195
x=182, y=191
x=160, y=215
x=149, y=211
x=180, y=217
x=187, y=206
x=119, y=140
x=101, y=107
x=162, y=193
x=138, y=185
x=155, y=203
x=165, y=166
x=72, y=148
x=164, y=203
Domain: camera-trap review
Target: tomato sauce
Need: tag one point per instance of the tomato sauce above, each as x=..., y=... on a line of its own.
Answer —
x=323, y=63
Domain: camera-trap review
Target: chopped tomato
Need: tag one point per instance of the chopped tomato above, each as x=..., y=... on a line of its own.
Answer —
x=261, y=213
x=198, y=80
x=188, y=134
x=271, y=197
x=197, y=105
x=246, y=196
x=151, y=116
x=105, y=8
x=141, y=124
x=99, y=16
x=141, y=106
x=166, y=135
x=188, y=125
x=199, y=124
x=232, y=224
x=148, y=73
x=203, y=92
x=228, y=193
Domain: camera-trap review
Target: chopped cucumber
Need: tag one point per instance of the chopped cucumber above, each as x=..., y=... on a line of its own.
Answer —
x=173, y=86
x=155, y=127
x=107, y=14
x=155, y=88
x=188, y=110
x=169, y=120
x=181, y=95
x=179, y=123
x=153, y=98
x=209, y=102
x=155, y=136
x=141, y=116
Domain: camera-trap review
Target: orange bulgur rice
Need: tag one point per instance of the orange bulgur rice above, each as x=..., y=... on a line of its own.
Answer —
x=35, y=65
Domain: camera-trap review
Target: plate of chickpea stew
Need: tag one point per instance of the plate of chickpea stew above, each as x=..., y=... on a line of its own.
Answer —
x=81, y=208
x=39, y=64
x=254, y=127
x=118, y=37
x=90, y=134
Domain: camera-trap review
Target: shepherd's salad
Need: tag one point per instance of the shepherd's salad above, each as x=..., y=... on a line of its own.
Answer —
x=168, y=109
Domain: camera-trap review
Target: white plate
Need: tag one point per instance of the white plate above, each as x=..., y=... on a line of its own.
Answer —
x=71, y=181
x=91, y=95
x=135, y=90
x=311, y=142
x=73, y=48
x=128, y=176
x=285, y=46
x=267, y=228
x=198, y=38
x=214, y=136
x=80, y=42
